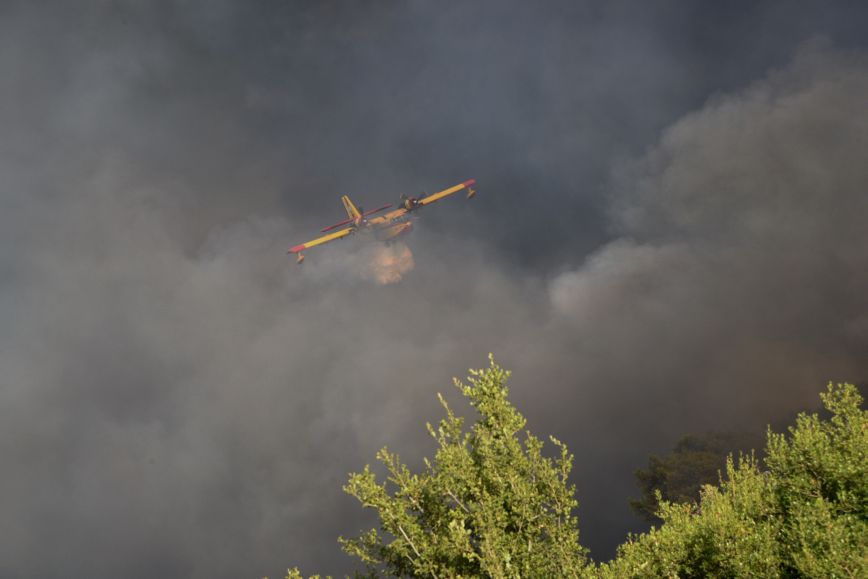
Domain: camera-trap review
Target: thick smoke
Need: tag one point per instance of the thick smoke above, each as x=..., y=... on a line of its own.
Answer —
x=739, y=283
x=178, y=399
x=743, y=245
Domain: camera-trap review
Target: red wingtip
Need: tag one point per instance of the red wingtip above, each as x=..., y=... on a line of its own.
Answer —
x=296, y=248
x=469, y=182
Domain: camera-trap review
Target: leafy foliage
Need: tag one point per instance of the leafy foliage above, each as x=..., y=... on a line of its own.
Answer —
x=491, y=504
x=806, y=516
x=488, y=505
x=820, y=488
x=696, y=460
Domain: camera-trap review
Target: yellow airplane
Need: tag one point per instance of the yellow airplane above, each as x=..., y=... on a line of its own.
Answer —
x=386, y=227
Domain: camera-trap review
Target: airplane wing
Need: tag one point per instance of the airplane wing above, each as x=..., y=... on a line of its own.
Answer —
x=401, y=211
x=323, y=239
x=447, y=192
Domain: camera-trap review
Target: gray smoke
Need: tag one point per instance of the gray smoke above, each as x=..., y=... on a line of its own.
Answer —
x=178, y=399
x=738, y=285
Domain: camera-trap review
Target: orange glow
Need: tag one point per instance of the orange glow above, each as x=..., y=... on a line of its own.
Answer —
x=390, y=263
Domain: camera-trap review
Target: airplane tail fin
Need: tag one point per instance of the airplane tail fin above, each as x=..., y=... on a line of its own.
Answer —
x=352, y=212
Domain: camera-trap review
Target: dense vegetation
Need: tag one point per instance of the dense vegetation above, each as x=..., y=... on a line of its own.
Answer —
x=492, y=504
x=695, y=461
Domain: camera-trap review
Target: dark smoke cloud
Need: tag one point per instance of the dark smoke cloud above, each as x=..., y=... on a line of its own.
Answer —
x=738, y=284
x=177, y=400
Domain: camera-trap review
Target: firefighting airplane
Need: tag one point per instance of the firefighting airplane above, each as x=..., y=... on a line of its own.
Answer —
x=386, y=227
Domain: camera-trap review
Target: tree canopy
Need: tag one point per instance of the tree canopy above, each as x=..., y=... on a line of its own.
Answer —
x=492, y=504
x=489, y=503
x=806, y=515
x=695, y=461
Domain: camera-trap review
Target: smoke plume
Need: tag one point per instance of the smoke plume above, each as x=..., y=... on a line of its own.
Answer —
x=179, y=399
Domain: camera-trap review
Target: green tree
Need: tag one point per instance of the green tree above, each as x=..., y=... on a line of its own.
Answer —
x=805, y=516
x=819, y=488
x=489, y=504
x=695, y=461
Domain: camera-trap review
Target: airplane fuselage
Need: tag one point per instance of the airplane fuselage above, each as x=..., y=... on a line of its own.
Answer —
x=387, y=231
x=393, y=231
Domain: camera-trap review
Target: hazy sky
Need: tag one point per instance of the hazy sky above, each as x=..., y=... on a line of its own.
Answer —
x=669, y=237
